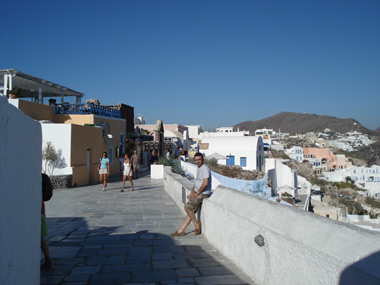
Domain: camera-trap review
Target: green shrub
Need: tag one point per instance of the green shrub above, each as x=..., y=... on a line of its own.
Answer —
x=372, y=202
x=351, y=205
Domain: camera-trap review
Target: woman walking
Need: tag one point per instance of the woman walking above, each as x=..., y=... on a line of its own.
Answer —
x=104, y=169
x=127, y=172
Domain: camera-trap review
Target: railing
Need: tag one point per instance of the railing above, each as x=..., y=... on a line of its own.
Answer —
x=88, y=108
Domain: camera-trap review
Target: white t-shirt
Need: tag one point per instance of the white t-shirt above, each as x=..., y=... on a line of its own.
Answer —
x=202, y=173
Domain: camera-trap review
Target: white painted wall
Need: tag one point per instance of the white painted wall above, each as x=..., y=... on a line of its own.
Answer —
x=194, y=131
x=303, y=185
x=246, y=146
x=296, y=153
x=282, y=176
x=60, y=136
x=20, y=196
x=223, y=134
x=300, y=247
x=373, y=188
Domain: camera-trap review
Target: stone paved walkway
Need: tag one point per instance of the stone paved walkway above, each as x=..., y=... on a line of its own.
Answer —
x=111, y=237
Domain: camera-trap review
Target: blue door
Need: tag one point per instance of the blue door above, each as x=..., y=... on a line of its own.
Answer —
x=230, y=160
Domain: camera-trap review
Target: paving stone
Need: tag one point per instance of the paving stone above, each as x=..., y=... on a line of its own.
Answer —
x=138, y=251
x=166, y=249
x=71, y=261
x=77, y=278
x=89, y=252
x=153, y=275
x=202, y=262
x=140, y=242
x=161, y=256
x=138, y=259
x=51, y=279
x=219, y=280
x=126, y=267
x=85, y=270
x=187, y=272
x=186, y=281
x=113, y=251
x=170, y=263
x=110, y=278
x=101, y=260
x=214, y=270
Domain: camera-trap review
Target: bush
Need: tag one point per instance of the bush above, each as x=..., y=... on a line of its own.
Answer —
x=213, y=162
x=352, y=206
x=372, y=202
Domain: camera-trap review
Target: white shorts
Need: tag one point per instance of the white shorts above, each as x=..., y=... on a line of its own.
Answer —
x=103, y=171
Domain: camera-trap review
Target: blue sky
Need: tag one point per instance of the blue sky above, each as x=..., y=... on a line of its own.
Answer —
x=214, y=63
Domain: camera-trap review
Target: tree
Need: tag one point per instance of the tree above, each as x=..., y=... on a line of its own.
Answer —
x=49, y=154
x=53, y=159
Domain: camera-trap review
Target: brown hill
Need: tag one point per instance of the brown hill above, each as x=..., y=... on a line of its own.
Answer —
x=302, y=123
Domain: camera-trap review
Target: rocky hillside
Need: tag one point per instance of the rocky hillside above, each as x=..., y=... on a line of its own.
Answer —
x=302, y=123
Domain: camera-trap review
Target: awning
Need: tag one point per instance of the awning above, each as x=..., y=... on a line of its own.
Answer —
x=29, y=85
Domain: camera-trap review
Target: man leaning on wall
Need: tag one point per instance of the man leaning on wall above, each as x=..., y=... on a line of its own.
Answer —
x=201, y=190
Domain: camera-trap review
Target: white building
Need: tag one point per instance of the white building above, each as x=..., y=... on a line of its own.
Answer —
x=225, y=130
x=246, y=151
x=194, y=131
x=283, y=179
x=365, y=177
x=296, y=153
x=223, y=134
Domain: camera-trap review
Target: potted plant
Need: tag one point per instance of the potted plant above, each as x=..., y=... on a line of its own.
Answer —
x=13, y=94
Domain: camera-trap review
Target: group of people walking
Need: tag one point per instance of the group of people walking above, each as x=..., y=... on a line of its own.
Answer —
x=130, y=167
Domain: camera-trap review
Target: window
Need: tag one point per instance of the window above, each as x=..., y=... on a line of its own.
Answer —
x=243, y=161
x=110, y=154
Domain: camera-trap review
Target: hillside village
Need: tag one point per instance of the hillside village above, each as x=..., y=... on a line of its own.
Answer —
x=293, y=175
x=313, y=171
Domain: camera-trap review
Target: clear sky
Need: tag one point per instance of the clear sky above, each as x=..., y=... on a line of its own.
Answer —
x=214, y=63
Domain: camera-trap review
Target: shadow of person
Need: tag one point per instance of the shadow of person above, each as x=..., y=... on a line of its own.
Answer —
x=365, y=271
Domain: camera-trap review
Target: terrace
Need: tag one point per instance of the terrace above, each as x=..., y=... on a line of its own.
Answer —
x=87, y=108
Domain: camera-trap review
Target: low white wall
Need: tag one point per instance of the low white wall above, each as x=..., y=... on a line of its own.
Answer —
x=20, y=196
x=300, y=247
x=156, y=171
x=176, y=186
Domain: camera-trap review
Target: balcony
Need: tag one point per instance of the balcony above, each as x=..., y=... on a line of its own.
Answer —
x=87, y=108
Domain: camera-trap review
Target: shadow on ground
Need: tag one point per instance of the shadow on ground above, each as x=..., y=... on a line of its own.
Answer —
x=112, y=255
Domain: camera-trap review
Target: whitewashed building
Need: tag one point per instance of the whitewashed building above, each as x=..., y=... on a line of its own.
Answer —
x=194, y=131
x=282, y=178
x=246, y=151
x=296, y=153
x=223, y=134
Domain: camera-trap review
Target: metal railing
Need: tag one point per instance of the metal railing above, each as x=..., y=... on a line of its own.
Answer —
x=87, y=108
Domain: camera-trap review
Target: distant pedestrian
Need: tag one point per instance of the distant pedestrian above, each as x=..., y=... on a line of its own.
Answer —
x=135, y=164
x=104, y=169
x=153, y=157
x=127, y=172
x=167, y=154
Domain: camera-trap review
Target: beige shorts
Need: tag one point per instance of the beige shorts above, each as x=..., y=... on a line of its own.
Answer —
x=194, y=203
x=103, y=171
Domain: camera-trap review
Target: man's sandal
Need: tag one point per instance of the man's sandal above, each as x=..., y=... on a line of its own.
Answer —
x=177, y=234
